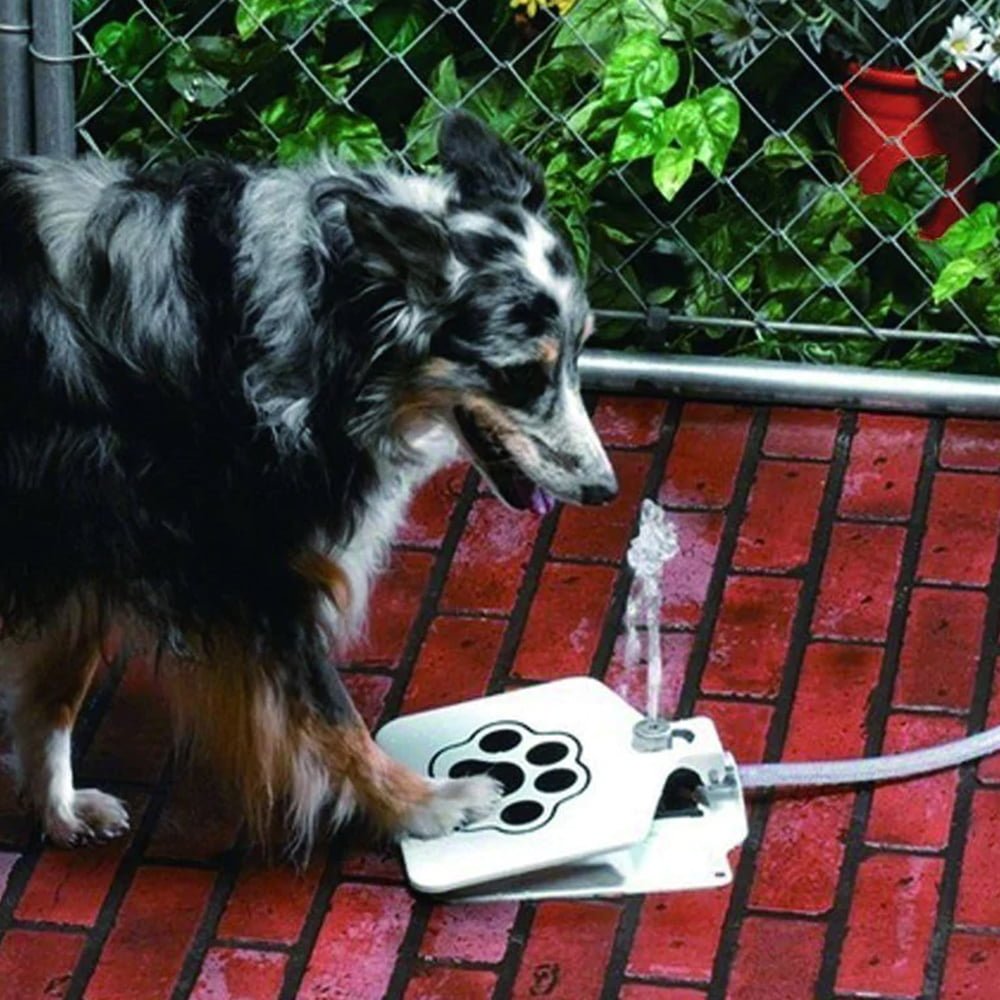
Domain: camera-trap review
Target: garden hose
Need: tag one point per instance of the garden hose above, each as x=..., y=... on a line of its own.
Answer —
x=890, y=767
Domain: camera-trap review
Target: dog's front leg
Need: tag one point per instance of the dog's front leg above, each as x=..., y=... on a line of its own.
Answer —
x=289, y=736
x=45, y=679
x=395, y=799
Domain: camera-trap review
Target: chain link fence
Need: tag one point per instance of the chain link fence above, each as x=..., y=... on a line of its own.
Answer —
x=726, y=172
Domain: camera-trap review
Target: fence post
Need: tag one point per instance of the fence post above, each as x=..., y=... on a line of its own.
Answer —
x=52, y=55
x=15, y=91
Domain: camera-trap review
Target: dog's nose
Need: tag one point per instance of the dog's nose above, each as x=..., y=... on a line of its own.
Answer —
x=598, y=494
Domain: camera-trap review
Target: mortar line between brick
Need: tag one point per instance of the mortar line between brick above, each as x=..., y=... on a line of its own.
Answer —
x=301, y=951
x=958, y=834
x=975, y=930
x=204, y=933
x=791, y=669
x=511, y=961
x=877, y=716
x=628, y=918
x=252, y=944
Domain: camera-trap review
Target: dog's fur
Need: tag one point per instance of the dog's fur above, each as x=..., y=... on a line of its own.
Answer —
x=218, y=387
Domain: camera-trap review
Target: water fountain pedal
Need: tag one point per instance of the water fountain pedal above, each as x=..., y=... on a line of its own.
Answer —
x=586, y=811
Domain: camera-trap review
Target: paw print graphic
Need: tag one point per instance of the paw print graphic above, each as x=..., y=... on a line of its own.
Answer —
x=538, y=771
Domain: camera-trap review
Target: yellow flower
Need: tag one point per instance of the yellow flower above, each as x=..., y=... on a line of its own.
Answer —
x=531, y=7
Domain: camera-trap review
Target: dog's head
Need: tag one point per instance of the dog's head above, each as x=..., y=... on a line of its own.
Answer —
x=496, y=318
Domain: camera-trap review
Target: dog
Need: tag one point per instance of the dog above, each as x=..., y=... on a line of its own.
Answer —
x=219, y=386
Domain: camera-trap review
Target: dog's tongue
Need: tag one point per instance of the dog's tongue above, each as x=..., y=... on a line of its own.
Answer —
x=541, y=502
x=533, y=497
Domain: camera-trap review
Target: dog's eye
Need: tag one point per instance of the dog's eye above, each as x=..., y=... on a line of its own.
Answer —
x=520, y=385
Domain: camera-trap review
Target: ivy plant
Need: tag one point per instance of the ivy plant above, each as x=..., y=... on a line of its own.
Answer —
x=683, y=180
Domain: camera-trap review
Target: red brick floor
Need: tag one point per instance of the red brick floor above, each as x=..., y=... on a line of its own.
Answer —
x=837, y=593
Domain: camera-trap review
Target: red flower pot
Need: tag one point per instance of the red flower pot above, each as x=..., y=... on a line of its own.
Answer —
x=888, y=116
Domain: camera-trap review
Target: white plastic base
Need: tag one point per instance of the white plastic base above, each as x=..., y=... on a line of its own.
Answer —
x=577, y=818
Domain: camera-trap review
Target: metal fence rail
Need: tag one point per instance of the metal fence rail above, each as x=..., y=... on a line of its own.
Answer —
x=770, y=249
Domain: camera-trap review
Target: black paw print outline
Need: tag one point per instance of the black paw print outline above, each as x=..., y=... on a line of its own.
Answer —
x=539, y=771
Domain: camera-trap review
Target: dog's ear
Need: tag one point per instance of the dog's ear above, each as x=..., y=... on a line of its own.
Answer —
x=393, y=240
x=487, y=169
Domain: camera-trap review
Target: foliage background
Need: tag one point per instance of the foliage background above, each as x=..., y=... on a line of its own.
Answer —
x=689, y=148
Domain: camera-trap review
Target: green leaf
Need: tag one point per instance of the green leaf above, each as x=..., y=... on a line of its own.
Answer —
x=840, y=244
x=351, y=61
x=671, y=169
x=600, y=24
x=444, y=82
x=594, y=119
x=957, y=275
x=691, y=19
x=782, y=152
x=252, y=14
x=291, y=17
x=662, y=295
x=421, y=133
x=558, y=81
x=592, y=173
x=108, y=36
x=194, y=83
x=642, y=131
x=785, y=272
x=615, y=235
x=280, y=115
x=397, y=25
x=216, y=52
x=81, y=8
x=575, y=225
x=707, y=125
x=346, y=136
x=975, y=232
x=128, y=47
x=641, y=66
x=918, y=183
x=504, y=106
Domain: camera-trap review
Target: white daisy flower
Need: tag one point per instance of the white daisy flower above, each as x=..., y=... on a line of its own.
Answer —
x=989, y=52
x=737, y=42
x=965, y=42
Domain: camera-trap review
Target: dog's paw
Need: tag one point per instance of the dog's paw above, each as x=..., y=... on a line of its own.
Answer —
x=88, y=816
x=453, y=803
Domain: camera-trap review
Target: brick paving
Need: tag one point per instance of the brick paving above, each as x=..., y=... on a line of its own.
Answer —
x=837, y=593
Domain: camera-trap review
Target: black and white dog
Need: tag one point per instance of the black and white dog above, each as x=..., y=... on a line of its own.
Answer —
x=219, y=385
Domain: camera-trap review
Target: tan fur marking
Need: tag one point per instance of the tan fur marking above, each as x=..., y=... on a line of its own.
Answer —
x=324, y=572
x=489, y=415
x=54, y=670
x=548, y=350
x=415, y=405
x=439, y=369
x=386, y=790
x=277, y=753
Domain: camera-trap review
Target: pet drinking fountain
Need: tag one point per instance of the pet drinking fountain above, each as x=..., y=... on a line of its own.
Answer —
x=597, y=798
